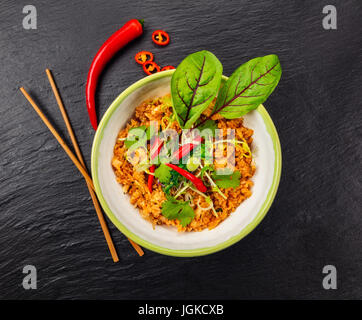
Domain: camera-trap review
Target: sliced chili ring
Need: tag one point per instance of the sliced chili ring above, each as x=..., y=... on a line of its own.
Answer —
x=161, y=38
x=151, y=67
x=167, y=68
x=143, y=56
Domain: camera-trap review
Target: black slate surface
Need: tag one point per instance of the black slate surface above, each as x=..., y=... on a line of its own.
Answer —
x=47, y=218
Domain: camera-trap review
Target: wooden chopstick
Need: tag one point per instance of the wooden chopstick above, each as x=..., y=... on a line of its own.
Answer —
x=81, y=160
x=61, y=142
x=57, y=136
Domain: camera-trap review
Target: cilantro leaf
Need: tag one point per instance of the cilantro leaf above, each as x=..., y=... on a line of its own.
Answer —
x=173, y=209
x=136, y=135
x=163, y=173
x=174, y=181
x=227, y=180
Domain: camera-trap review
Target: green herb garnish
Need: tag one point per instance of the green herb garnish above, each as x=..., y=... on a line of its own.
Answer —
x=227, y=180
x=196, y=82
x=194, y=85
x=248, y=87
x=181, y=210
x=163, y=173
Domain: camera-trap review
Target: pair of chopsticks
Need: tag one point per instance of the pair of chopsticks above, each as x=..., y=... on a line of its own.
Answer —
x=77, y=160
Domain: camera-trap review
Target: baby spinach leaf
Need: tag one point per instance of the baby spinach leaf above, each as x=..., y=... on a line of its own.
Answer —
x=194, y=85
x=228, y=180
x=181, y=210
x=248, y=87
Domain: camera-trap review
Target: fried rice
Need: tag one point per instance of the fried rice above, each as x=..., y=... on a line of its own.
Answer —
x=150, y=204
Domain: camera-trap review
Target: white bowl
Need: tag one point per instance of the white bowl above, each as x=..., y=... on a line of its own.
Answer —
x=165, y=239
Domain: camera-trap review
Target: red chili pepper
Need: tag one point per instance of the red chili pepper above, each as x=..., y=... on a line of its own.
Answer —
x=168, y=68
x=186, y=149
x=151, y=177
x=195, y=180
x=131, y=30
x=143, y=56
x=161, y=38
x=151, y=67
x=183, y=151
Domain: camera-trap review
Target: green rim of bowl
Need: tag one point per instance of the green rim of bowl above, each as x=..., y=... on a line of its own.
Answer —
x=194, y=252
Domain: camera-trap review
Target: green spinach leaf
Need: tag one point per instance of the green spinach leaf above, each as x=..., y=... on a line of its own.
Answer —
x=194, y=84
x=248, y=87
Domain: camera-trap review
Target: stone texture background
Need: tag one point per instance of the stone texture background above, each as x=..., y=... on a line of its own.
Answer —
x=47, y=218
